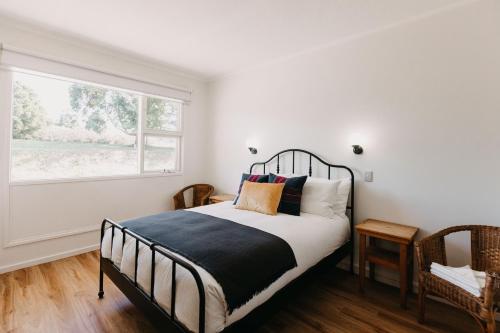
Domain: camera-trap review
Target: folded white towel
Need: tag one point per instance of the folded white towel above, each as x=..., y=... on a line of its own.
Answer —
x=465, y=274
x=475, y=291
x=463, y=277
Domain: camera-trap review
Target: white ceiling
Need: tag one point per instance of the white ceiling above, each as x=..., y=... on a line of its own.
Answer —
x=214, y=37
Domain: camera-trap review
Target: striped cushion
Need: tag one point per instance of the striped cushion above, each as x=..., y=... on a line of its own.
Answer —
x=250, y=178
x=292, y=193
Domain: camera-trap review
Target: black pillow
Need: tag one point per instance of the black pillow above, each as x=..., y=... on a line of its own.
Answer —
x=292, y=193
x=250, y=178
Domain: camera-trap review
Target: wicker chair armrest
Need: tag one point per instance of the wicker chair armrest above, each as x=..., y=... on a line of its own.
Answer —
x=493, y=275
x=419, y=253
x=491, y=286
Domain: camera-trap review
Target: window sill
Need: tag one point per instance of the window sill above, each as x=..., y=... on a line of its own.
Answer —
x=94, y=179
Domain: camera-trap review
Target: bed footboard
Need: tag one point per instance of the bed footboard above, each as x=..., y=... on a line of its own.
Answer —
x=141, y=299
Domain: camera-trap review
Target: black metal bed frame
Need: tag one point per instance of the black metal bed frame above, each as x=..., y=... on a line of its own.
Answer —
x=168, y=321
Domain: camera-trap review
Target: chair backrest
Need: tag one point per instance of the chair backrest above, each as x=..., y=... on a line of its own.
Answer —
x=485, y=247
x=433, y=250
x=201, y=194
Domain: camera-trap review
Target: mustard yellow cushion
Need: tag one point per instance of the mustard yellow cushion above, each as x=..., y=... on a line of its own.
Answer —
x=260, y=197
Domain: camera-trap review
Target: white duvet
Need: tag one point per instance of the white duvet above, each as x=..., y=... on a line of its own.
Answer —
x=311, y=238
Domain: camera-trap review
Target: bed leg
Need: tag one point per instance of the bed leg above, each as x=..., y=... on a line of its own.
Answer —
x=351, y=258
x=101, y=284
x=101, y=273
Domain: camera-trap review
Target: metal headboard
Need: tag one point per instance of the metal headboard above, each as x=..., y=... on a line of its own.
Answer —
x=350, y=206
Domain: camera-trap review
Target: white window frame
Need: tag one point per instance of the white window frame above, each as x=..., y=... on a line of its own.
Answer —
x=142, y=131
x=142, y=128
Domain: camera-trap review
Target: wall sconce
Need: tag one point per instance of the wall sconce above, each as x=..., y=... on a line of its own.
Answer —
x=252, y=150
x=357, y=149
x=356, y=140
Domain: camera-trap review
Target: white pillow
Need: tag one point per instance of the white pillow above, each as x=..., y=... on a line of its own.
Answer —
x=343, y=190
x=325, y=197
x=318, y=196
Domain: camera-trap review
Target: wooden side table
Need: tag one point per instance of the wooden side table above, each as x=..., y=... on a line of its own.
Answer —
x=402, y=261
x=221, y=198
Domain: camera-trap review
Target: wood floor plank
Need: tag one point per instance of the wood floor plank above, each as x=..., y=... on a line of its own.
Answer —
x=62, y=297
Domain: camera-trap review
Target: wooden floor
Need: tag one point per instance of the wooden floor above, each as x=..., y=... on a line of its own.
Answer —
x=62, y=297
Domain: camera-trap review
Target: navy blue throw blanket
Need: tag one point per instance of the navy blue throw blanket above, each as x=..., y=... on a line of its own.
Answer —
x=242, y=259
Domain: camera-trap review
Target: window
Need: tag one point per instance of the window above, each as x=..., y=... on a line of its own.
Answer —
x=162, y=133
x=69, y=129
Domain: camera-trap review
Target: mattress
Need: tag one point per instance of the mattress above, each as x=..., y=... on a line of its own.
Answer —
x=311, y=238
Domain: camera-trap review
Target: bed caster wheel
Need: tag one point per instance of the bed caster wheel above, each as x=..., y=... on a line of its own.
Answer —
x=100, y=294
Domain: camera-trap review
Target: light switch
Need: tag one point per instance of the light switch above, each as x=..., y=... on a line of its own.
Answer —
x=368, y=176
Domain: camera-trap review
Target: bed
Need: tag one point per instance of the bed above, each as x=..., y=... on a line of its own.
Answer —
x=180, y=296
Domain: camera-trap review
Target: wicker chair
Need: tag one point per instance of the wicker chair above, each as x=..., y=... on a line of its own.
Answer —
x=201, y=195
x=485, y=250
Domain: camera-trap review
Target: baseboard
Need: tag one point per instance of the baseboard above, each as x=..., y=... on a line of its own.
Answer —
x=42, y=260
x=54, y=235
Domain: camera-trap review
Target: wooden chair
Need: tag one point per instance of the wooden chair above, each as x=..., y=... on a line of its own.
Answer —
x=485, y=251
x=201, y=194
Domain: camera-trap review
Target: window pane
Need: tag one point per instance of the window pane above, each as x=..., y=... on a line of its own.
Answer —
x=63, y=129
x=162, y=114
x=160, y=153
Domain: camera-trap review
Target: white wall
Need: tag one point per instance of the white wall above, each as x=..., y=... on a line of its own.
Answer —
x=55, y=220
x=424, y=94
